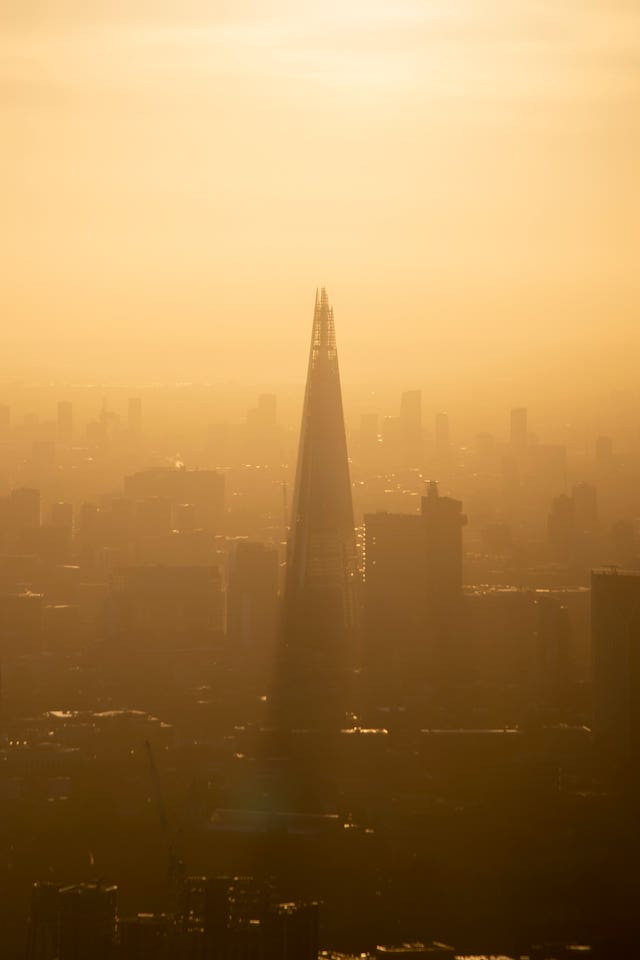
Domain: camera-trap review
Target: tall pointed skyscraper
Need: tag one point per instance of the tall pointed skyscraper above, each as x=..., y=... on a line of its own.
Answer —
x=319, y=614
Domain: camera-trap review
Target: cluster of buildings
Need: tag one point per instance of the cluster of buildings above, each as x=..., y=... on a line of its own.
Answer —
x=217, y=918
x=420, y=713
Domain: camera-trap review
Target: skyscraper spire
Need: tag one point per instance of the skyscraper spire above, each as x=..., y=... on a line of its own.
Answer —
x=319, y=615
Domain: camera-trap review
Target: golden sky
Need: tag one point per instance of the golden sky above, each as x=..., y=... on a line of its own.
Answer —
x=178, y=177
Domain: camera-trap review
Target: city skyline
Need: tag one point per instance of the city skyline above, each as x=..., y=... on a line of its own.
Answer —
x=335, y=661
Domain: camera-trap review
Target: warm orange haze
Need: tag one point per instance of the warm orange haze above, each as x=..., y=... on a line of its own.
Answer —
x=319, y=605
x=176, y=177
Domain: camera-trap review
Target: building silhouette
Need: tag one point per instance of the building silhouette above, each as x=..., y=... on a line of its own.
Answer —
x=413, y=590
x=319, y=611
x=72, y=922
x=615, y=637
x=252, y=599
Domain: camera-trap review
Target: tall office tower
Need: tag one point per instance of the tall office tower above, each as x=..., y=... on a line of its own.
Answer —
x=395, y=609
x=519, y=427
x=134, y=417
x=442, y=434
x=615, y=640
x=443, y=522
x=412, y=593
x=319, y=610
x=65, y=421
x=411, y=427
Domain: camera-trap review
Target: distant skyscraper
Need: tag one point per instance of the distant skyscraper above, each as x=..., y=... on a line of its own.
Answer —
x=319, y=615
x=65, y=420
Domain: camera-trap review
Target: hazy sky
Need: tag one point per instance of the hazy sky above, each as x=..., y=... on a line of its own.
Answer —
x=177, y=177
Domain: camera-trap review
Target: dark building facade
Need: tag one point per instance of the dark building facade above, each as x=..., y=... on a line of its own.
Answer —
x=252, y=598
x=615, y=635
x=413, y=590
x=72, y=922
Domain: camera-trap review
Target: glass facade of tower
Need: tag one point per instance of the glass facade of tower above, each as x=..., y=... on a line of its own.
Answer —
x=320, y=608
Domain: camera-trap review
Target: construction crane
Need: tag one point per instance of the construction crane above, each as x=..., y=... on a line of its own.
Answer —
x=285, y=509
x=175, y=866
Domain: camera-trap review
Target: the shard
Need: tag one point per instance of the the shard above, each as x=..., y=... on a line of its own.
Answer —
x=320, y=603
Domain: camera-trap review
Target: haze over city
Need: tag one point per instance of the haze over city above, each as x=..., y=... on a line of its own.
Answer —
x=177, y=177
x=319, y=480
